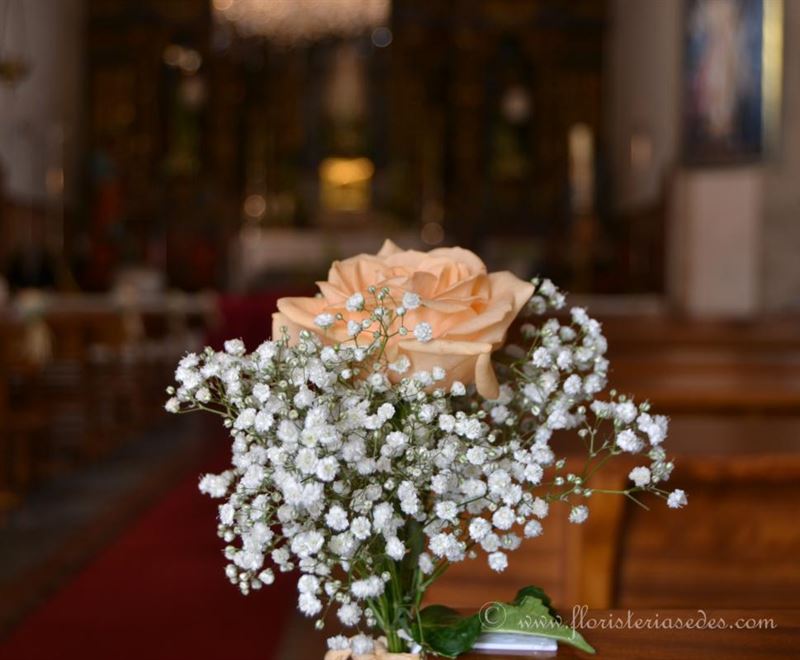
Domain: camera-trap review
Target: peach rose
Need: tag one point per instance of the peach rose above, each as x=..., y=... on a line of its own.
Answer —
x=466, y=309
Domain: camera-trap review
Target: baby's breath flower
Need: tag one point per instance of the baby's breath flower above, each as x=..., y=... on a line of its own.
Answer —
x=355, y=303
x=533, y=528
x=338, y=643
x=324, y=320
x=401, y=365
x=579, y=514
x=349, y=614
x=338, y=450
x=362, y=645
x=411, y=300
x=423, y=332
x=234, y=347
x=640, y=476
x=498, y=561
x=628, y=441
x=677, y=499
x=353, y=328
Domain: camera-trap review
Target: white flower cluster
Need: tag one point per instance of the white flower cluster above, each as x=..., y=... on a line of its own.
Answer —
x=342, y=475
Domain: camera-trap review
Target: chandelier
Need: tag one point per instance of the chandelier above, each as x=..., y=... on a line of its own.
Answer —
x=289, y=21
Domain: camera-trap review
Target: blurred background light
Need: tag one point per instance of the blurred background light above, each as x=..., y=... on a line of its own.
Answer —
x=301, y=20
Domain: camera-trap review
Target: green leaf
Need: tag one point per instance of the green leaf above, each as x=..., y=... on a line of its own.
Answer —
x=531, y=614
x=445, y=631
x=535, y=592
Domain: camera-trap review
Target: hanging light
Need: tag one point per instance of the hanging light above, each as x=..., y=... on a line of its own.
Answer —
x=290, y=21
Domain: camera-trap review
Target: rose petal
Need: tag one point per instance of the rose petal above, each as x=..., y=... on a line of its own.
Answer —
x=301, y=311
x=298, y=314
x=280, y=321
x=509, y=295
x=485, y=377
x=423, y=284
x=389, y=248
x=334, y=296
x=489, y=326
x=460, y=255
x=505, y=282
x=441, y=323
x=473, y=286
x=462, y=360
x=450, y=306
x=469, y=311
x=356, y=273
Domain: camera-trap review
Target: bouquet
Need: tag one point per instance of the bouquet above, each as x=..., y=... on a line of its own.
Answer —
x=387, y=431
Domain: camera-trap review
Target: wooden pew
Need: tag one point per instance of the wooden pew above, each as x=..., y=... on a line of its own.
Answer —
x=22, y=424
x=736, y=545
x=574, y=564
x=728, y=367
x=99, y=383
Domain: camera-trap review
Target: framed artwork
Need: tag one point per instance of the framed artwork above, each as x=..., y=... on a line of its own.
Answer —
x=732, y=69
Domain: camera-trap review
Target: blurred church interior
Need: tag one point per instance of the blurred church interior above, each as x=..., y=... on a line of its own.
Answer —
x=170, y=168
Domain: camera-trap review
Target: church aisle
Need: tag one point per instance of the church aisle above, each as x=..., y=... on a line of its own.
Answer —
x=157, y=592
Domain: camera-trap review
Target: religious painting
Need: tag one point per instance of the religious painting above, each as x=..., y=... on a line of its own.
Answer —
x=731, y=79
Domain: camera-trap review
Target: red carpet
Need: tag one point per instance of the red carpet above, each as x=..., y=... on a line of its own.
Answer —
x=158, y=593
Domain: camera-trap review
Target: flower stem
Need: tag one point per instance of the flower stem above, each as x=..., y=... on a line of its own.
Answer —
x=394, y=643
